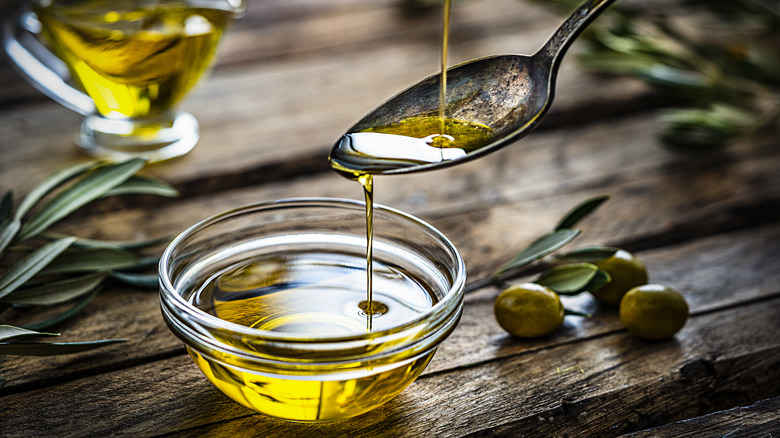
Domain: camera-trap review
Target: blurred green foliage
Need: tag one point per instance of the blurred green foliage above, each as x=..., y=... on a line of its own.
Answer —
x=722, y=57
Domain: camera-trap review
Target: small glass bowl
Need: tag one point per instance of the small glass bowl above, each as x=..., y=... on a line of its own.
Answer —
x=321, y=374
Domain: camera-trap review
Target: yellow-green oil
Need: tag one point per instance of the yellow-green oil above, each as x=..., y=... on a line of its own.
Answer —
x=410, y=142
x=312, y=294
x=133, y=64
x=460, y=134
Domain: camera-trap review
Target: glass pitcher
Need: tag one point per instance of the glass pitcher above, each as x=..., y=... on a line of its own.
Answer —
x=124, y=64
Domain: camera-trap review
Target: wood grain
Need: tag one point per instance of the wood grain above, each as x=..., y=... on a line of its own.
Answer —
x=758, y=419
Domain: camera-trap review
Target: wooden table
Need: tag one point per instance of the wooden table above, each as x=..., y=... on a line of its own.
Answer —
x=292, y=76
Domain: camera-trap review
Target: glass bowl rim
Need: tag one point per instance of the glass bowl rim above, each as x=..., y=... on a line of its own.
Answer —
x=168, y=295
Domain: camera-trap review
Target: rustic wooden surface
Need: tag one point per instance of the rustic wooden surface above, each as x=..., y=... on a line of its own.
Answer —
x=292, y=76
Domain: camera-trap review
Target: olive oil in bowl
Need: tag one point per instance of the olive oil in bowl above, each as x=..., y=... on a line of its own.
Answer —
x=270, y=301
x=311, y=294
x=305, y=292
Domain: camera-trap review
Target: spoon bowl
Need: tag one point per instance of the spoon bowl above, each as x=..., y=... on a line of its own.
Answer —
x=509, y=94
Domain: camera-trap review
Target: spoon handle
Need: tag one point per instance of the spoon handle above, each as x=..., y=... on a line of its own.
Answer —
x=553, y=51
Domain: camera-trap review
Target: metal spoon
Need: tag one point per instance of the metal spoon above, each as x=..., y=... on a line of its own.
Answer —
x=508, y=93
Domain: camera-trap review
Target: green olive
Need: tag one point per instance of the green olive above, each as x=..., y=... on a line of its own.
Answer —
x=528, y=310
x=626, y=271
x=653, y=311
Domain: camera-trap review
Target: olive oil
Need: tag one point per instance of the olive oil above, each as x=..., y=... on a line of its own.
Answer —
x=134, y=62
x=445, y=38
x=409, y=142
x=305, y=292
x=369, y=306
x=312, y=295
x=316, y=397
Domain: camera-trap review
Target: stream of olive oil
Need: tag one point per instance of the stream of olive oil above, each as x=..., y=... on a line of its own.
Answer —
x=421, y=139
x=445, y=38
x=367, y=179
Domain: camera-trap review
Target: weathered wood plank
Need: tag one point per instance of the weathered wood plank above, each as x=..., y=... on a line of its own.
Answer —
x=265, y=127
x=626, y=385
x=761, y=419
x=522, y=192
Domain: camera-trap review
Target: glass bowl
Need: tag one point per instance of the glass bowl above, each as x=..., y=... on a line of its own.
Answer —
x=267, y=299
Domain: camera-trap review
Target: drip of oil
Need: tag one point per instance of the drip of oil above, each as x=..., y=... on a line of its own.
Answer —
x=138, y=63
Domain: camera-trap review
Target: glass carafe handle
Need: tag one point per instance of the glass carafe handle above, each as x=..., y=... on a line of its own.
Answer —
x=46, y=72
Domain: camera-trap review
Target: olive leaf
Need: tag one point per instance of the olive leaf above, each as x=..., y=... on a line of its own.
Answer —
x=568, y=279
x=580, y=211
x=62, y=316
x=706, y=62
x=143, y=185
x=544, y=245
x=699, y=129
x=588, y=254
x=8, y=231
x=51, y=183
x=115, y=244
x=661, y=74
x=55, y=292
x=54, y=349
x=573, y=279
x=614, y=63
x=56, y=269
x=598, y=281
x=553, y=241
x=719, y=116
x=91, y=186
x=91, y=259
x=146, y=281
x=33, y=263
x=9, y=225
x=10, y=332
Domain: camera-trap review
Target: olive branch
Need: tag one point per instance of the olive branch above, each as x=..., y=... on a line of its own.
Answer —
x=569, y=273
x=723, y=59
x=40, y=269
